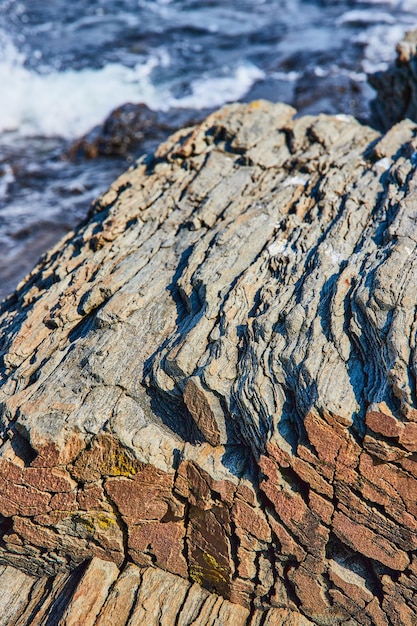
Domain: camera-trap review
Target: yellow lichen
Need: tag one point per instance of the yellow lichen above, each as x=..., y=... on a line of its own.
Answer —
x=211, y=575
x=105, y=522
x=196, y=574
x=85, y=521
x=211, y=561
x=92, y=523
x=119, y=464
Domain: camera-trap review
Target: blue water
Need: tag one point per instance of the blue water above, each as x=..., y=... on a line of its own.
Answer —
x=65, y=65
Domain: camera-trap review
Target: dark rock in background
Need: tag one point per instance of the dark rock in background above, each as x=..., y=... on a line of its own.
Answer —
x=397, y=86
x=132, y=128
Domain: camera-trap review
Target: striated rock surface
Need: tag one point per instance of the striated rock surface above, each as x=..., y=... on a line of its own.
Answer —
x=397, y=86
x=98, y=594
x=215, y=377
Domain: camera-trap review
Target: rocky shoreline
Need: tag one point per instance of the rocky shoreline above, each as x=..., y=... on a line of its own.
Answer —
x=212, y=383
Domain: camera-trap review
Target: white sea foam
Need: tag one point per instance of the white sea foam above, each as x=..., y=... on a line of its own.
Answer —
x=320, y=71
x=363, y=16
x=69, y=103
x=214, y=91
x=380, y=41
x=6, y=179
x=66, y=103
x=290, y=76
x=383, y=30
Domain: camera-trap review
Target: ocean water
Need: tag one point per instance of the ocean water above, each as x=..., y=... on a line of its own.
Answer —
x=64, y=66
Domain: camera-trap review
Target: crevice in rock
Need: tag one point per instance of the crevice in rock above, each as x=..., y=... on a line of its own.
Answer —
x=6, y=525
x=289, y=586
x=295, y=483
x=270, y=512
x=123, y=528
x=64, y=598
x=21, y=445
x=181, y=607
x=46, y=591
x=234, y=547
x=134, y=603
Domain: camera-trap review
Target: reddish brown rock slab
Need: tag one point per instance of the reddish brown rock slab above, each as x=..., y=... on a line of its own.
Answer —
x=391, y=487
x=195, y=483
x=201, y=409
x=311, y=590
x=369, y=543
x=50, y=454
x=351, y=583
x=91, y=496
x=209, y=549
x=163, y=542
x=397, y=607
x=327, y=439
x=23, y=500
x=144, y=498
x=375, y=614
x=295, y=514
x=408, y=437
x=252, y=520
x=289, y=547
x=104, y=457
x=380, y=420
x=54, y=480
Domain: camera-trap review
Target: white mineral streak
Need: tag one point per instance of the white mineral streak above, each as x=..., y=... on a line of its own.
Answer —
x=295, y=180
x=383, y=164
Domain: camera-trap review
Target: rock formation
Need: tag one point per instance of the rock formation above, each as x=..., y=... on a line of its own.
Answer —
x=132, y=128
x=214, y=378
x=98, y=594
x=397, y=86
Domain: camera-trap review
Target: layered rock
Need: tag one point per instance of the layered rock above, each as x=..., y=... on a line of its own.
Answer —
x=215, y=375
x=99, y=594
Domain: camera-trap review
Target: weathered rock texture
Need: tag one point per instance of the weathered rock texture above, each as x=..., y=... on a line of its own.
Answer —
x=216, y=374
x=98, y=594
x=397, y=86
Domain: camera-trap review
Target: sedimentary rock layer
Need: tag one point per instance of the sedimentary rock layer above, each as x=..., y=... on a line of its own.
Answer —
x=215, y=375
x=98, y=594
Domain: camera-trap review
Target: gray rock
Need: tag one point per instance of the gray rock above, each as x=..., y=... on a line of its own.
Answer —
x=215, y=376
